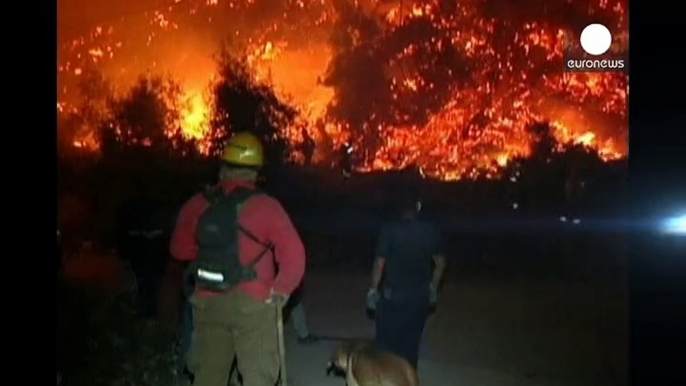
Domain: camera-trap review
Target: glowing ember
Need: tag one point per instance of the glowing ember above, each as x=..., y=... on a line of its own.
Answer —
x=447, y=86
x=86, y=142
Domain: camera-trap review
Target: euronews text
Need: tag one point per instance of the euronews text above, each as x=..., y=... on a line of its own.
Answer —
x=595, y=64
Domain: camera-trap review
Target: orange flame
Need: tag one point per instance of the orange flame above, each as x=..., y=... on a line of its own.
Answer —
x=481, y=126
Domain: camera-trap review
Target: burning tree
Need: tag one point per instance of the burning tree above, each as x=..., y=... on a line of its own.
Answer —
x=144, y=121
x=77, y=126
x=242, y=103
x=143, y=129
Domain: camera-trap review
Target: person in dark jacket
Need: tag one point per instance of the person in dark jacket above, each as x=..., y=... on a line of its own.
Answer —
x=345, y=159
x=406, y=249
x=141, y=242
x=574, y=192
x=184, y=341
x=308, y=147
x=59, y=252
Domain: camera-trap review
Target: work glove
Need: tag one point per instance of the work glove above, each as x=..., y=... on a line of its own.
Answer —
x=277, y=298
x=433, y=294
x=373, y=297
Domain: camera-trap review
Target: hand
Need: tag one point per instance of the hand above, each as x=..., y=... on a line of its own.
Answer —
x=373, y=298
x=433, y=294
x=277, y=298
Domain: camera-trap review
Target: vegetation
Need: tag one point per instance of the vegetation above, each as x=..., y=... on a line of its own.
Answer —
x=100, y=344
x=140, y=139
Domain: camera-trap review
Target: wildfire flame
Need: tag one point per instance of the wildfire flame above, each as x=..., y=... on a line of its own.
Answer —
x=194, y=116
x=420, y=109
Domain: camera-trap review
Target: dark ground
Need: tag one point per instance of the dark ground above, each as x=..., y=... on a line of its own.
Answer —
x=544, y=304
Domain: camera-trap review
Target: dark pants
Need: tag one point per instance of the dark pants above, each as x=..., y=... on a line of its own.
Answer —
x=399, y=326
x=148, y=283
x=296, y=313
x=185, y=337
x=59, y=259
x=148, y=260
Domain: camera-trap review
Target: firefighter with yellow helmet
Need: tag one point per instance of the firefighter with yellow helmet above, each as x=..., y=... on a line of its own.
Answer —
x=230, y=235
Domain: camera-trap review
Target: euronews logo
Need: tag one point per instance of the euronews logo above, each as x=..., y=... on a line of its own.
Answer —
x=591, y=52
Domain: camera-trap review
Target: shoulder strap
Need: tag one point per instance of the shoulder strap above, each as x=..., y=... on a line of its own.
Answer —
x=239, y=196
x=244, y=195
x=262, y=254
x=254, y=238
x=213, y=194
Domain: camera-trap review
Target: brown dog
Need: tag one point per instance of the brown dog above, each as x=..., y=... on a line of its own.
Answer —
x=366, y=365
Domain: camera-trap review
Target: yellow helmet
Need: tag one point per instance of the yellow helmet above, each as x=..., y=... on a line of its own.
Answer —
x=243, y=149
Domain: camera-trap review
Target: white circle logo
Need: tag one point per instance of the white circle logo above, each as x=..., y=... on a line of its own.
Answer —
x=596, y=39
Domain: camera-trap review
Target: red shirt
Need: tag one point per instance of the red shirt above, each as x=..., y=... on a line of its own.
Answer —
x=264, y=217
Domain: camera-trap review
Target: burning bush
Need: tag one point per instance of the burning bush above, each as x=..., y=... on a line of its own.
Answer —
x=143, y=118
